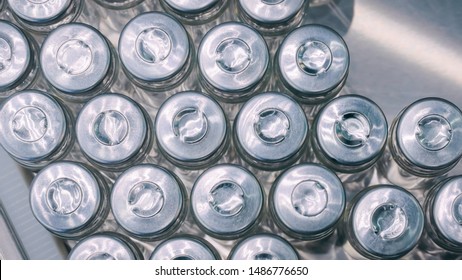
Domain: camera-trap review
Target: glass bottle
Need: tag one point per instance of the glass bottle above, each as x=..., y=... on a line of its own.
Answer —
x=44, y=16
x=36, y=128
x=191, y=130
x=443, y=217
x=349, y=135
x=263, y=246
x=233, y=61
x=270, y=131
x=69, y=199
x=383, y=222
x=113, y=131
x=184, y=247
x=226, y=201
x=272, y=17
x=18, y=59
x=312, y=64
x=148, y=201
x=156, y=51
x=424, y=143
x=194, y=11
x=78, y=62
x=118, y=4
x=307, y=201
x=105, y=246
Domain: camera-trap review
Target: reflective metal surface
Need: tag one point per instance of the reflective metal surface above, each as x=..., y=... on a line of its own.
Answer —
x=112, y=131
x=68, y=199
x=313, y=63
x=17, y=58
x=401, y=51
x=349, y=134
x=36, y=129
x=194, y=11
x=233, y=59
x=263, y=247
x=191, y=6
x=427, y=136
x=155, y=50
x=191, y=129
x=307, y=200
x=444, y=214
x=271, y=131
x=105, y=246
x=183, y=248
x=118, y=4
x=226, y=201
x=45, y=15
x=148, y=201
x=272, y=17
x=384, y=222
x=38, y=11
x=271, y=11
x=75, y=58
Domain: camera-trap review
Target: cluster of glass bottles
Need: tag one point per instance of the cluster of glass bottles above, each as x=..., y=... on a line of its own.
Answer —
x=182, y=132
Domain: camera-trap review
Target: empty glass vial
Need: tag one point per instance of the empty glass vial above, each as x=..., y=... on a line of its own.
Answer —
x=312, y=63
x=307, y=200
x=45, y=15
x=36, y=128
x=233, y=60
x=191, y=130
x=270, y=131
x=425, y=142
x=226, y=201
x=78, y=62
x=349, y=134
x=118, y=4
x=113, y=131
x=272, y=17
x=384, y=222
x=184, y=247
x=148, y=201
x=69, y=199
x=18, y=59
x=105, y=246
x=263, y=246
x=156, y=51
x=194, y=11
x=443, y=213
